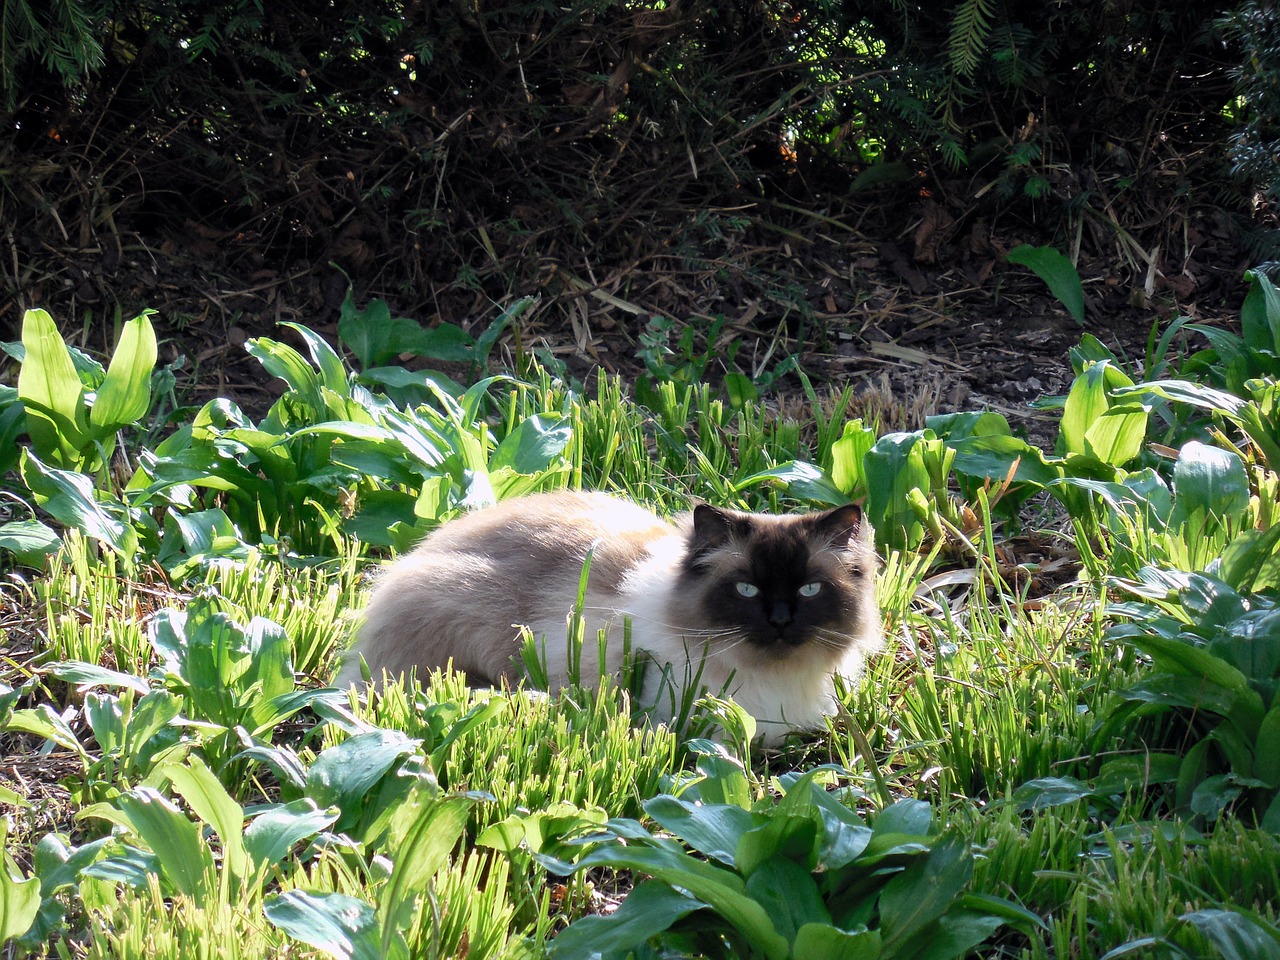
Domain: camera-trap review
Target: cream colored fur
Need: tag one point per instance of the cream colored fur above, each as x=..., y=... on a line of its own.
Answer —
x=464, y=593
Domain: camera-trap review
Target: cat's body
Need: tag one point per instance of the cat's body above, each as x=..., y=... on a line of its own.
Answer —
x=768, y=608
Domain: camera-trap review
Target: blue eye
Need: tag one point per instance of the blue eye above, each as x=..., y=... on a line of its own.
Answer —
x=810, y=589
x=747, y=589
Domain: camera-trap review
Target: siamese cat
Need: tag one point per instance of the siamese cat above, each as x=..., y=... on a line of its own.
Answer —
x=764, y=608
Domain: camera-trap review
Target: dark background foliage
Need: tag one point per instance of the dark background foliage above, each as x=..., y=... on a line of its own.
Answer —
x=449, y=154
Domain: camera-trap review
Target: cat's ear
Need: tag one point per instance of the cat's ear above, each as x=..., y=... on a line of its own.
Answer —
x=712, y=527
x=840, y=526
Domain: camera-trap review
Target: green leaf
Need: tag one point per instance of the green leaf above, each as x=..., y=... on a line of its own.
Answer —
x=924, y=891
x=788, y=894
x=420, y=848
x=19, y=904
x=1236, y=936
x=342, y=775
x=125, y=395
x=1057, y=271
x=52, y=392
x=895, y=467
x=533, y=446
x=992, y=456
x=185, y=859
x=1116, y=436
x=84, y=676
x=333, y=373
x=1260, y=314
x=1266, y=763
x=649, y=909
x=30, y=541
x=273, y=832
x=741, y=390
x=211, y=803
x=782, y=835
x=1050, y=792
x=281, y=360
x=1088, y=400
x=804, y=480
x=1209, y=483
x=847, y=453
x=819, y=941
x=70, y=498
x=712, y=829
x=446, y=341
x=341, y=926
x=720, y=889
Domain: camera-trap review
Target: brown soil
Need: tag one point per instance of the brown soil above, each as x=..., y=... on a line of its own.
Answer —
x=922, y=319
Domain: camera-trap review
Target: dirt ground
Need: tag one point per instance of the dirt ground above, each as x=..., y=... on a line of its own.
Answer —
x=921, y=316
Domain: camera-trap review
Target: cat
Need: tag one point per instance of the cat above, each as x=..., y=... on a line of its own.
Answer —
x=769, y=608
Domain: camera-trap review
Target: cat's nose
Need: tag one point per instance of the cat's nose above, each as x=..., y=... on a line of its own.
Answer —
x=779, y=615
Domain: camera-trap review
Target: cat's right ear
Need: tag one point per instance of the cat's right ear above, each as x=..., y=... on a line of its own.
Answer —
x=712, y=527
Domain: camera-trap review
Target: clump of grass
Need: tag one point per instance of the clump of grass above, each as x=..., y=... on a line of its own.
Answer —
x=578, y=746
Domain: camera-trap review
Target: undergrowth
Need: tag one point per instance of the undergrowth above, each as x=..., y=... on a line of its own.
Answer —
x=1031, y=769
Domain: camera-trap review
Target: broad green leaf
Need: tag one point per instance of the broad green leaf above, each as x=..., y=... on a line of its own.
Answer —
x=273, y=832
x=924, y=891
x=1116, y=436
x=648, y=910
x=1087, y=401
x=333, y=373
x=419, y=850
x=1057, y=271
x=781, y=836
x=789, y=895
x=1050, y=792
x=125, y=395
x=1213, y=795
x=30, y=541
x=895, y=467
x=992, y=456
x=19, y=904
x=906, y=817
x=847, y=471
x=533, y=446
x=342, y=775
x=446, y=341
x=281, y=360
x=1266, y=764
x=1208, y=482
x=955, y=934
x=1190, y=661
x=821, y=941
x=52, y=392
x=70, y=498
x=341, y=926
x=741, y=390
x=1260, y=314
x=954, y=427
x=1235, y=935
x=210, y=802
x=185, y=859
x=712, y=829
x=84, y=676
x=44, y=721
x=804, y=480
x=720, y=889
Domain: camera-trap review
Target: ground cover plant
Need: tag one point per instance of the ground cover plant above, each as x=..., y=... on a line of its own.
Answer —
x=1038, y=767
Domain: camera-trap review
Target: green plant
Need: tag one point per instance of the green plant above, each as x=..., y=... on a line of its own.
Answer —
x=1214, y=647
x=1057, y=271
x=235, y=681
x=75, y=408
x=802, y=876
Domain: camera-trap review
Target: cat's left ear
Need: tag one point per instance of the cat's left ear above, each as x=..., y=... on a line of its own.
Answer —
x=840, y=526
